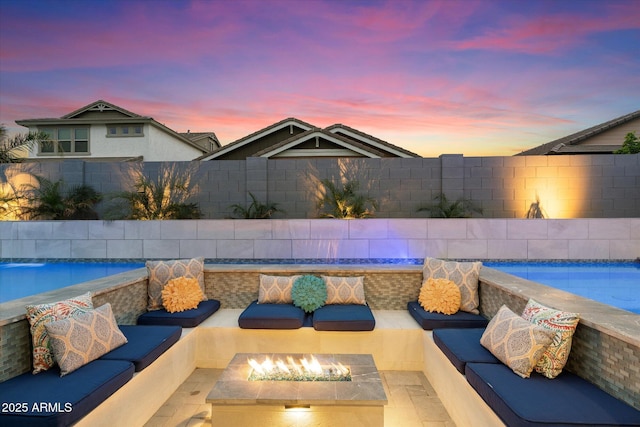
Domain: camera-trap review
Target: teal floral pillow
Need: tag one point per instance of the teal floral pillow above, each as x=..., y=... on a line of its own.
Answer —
x=309, y=293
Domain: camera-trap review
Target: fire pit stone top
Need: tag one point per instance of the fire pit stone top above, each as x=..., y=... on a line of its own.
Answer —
x=365, y=387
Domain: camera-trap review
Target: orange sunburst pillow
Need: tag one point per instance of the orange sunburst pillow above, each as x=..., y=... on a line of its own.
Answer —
x=440, y=296
x=181, y=294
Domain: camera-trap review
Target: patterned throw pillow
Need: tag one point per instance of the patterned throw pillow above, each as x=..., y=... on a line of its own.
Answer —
x=80, y=339
x=463, y=274
x=160, y=272
x=345, y=290
x=181, y=294
x=276, y=289
x=41, y=314
x=564, y=324
x=516, y=342
x=440, y=296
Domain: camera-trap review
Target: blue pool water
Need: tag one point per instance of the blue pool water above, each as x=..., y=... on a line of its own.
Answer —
x=616, y=284
x=19, y=280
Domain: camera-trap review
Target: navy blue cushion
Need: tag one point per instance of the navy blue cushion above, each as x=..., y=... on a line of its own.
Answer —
x=429, y=321
x=69, y=398
x=462, y=346
x=186, y=319
x=343, y=317
x=272, y=316
x=567, y=400
x=145, y=344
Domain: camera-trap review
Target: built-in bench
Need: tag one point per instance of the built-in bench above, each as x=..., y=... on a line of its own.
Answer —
x=49, y=399
x=535, y=401
x=606, y=339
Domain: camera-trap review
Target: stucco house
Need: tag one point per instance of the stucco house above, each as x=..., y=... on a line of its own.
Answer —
x=292, y=137
x=107, y=132
x=604, y=138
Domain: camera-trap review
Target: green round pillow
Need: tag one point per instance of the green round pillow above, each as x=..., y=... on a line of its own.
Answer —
x=309, y=293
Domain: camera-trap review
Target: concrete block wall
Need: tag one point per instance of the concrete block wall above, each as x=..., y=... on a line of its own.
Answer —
x=584, y=186
x=521, y=239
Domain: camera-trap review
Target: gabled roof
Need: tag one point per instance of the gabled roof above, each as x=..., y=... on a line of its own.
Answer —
x=352, y=133
x=348, y=148
x=103, y=112
x=100, y=106
x=338, y=141
x=202, y=139
x=242, y=142
x=571, y=144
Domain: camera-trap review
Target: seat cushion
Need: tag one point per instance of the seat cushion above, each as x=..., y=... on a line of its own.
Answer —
x=428, y=320
x=567, y=400
x=145, y=344
x=186, y=319
x=271, y=316
x=462, y=346
x=344, y=317
x=61, y=401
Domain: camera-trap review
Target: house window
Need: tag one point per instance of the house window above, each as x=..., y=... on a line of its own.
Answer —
x=124, y=130
x=65, y=140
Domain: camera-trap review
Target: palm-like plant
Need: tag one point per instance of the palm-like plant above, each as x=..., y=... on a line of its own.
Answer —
x=48, y=200
x=344, y=201
x=166, y=197
x=256, y=210
x=443, y=208
x=11, y=148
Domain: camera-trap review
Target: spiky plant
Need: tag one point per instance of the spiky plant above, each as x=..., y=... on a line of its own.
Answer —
x=11, y=148
x=343, y=201
x=49, y=200
x=443, y=208
x=167, y=196
x=255, y=210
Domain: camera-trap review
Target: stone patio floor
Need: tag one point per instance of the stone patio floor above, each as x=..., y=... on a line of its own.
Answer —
x=412, y=402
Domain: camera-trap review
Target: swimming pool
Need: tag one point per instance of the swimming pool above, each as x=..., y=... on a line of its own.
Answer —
x=616, y=284
x=18, y=280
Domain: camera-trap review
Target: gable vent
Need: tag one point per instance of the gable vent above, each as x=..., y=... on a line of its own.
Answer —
x=100, y=107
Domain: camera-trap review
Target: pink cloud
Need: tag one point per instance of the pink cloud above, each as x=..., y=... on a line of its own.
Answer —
x=551, y=33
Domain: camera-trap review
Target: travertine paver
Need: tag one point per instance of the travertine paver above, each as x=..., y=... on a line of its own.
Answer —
x=412, y=402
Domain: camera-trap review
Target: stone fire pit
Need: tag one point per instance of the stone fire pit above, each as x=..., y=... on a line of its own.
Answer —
x=360, y=401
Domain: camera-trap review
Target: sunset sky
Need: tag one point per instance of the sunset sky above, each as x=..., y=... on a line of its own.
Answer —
x=486, y=77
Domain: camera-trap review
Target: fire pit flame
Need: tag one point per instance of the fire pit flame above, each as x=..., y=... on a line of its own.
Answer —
x=305, y=370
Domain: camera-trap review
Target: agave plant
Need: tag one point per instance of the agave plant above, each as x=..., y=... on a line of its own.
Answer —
x=443, y=208
x=255, y=210
x=344, y=201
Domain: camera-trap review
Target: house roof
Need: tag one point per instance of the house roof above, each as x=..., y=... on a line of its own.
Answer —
x=201, y=139
x=107, y=113
x=245, y=141
x=376, y=142
x=348, y=148
x=101, y=106
x=345, y=140
x=571, y=144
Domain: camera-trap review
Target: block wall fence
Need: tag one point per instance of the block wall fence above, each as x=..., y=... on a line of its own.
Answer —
x=580, y=186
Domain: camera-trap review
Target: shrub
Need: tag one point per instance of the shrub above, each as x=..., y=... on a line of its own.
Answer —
x=255, y=210
x=165, y=197
x=443, y=208
x=631, y=144
x=48, y=200
x=343, y=201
